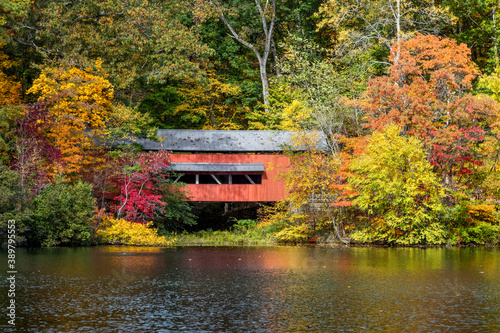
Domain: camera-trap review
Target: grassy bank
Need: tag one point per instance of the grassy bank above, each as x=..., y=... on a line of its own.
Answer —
x=250, y=232
x=243, y=232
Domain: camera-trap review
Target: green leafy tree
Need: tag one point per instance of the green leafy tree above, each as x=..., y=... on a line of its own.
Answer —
x=177, y=215
x=11, y=10
x=252, y=31
x=160, y=104
x=61, y=215
x=8, y=117
x=231, y=61
x=11, y=207
x=10, y=191
x=477, y=24
x=311, y=70
x=266, y=16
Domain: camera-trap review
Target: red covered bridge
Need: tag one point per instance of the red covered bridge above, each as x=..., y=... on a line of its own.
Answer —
x=228, y=166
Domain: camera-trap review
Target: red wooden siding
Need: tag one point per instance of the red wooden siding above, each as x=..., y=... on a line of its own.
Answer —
x=271, y=189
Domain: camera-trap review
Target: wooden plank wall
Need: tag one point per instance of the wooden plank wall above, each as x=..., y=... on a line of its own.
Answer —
x=271, y=189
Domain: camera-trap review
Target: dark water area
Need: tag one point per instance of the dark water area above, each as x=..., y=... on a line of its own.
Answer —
x=254, y=289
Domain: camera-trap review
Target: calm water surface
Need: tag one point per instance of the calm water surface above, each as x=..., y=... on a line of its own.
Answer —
x=255, y=289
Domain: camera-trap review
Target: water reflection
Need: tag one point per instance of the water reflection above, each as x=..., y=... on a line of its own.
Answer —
x=274, y=289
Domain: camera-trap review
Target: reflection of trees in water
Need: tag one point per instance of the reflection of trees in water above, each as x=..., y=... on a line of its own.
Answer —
x=376, y=288
x=273, y=289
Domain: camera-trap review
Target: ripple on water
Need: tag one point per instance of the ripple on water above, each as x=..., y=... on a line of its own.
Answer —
x=260, y=290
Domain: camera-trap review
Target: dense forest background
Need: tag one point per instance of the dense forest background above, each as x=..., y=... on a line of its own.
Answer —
x=406, y=92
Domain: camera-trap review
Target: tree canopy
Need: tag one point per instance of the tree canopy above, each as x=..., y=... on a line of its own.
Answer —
x=406, y=92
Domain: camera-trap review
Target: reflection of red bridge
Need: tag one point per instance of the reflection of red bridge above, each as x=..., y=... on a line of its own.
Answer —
x=228, y=166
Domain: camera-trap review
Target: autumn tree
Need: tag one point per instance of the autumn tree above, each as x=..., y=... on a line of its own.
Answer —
x=11, y=10
x=209, y=106
x=487, y=179
x=25, y=155
x=323, y=85
x=79, y=103
x=9, y=116
x=139, y=200
x=426, y=93
x=10, y=89
x=287, y=110
x=396, y=186
x=308, y=95
x=35, y=153
x=490, y=84
x=312, y=183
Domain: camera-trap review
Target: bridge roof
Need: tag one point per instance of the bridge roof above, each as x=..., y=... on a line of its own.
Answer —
x=228, y=141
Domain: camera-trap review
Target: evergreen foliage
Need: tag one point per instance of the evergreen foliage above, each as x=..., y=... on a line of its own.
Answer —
x=61, y=214
x=177, y=214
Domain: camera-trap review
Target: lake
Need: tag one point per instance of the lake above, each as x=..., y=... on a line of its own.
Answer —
x=254, y=289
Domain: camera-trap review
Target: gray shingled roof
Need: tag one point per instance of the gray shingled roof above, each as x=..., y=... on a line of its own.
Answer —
x=224, y=141
x=218, y=167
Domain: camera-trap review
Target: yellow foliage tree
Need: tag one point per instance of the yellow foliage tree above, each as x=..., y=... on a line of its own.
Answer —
x=492, y=84
x=79, y=103
x=209, y=105
x=9, y=88
x=310, y=174
x=309, y=182
x=123, y=232
x=399, y=191
x=287, y=110
x=128, y=123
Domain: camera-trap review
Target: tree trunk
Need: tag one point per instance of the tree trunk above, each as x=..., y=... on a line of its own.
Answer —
x=397, y=18
x=264, y=80
x=276, y=62
x=495, y=38
x=268, y=31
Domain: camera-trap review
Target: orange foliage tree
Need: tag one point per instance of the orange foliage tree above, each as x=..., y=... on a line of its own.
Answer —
x=426, y=94
x=79, y=105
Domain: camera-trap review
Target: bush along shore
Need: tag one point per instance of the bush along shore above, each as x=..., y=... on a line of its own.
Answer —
x=65, y=214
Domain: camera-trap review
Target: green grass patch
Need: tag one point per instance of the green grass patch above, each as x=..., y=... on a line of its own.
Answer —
x=243, y=232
